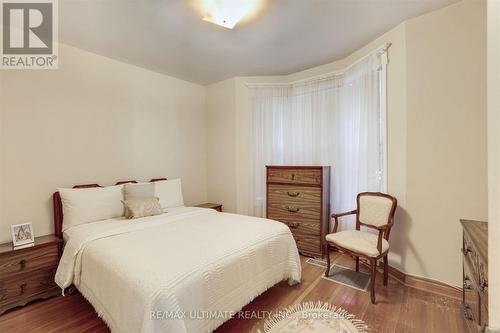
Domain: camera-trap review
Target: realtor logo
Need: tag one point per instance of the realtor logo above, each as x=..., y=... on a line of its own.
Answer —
x=29, y=34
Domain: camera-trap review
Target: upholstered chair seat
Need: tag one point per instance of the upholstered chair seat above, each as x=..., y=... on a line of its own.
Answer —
x=375, y=211
x=358, y=241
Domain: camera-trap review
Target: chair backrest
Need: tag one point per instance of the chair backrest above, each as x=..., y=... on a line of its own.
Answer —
x=375, y=209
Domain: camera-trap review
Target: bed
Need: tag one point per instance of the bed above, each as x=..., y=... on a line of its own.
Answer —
x=186, y=270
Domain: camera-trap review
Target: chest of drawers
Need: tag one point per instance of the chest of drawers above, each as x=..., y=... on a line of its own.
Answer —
x=475, y=274
x=27, y=274
x=299, y=196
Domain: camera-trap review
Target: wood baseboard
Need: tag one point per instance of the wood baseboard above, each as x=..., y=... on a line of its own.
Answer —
x=421, y=283
x=426, y=284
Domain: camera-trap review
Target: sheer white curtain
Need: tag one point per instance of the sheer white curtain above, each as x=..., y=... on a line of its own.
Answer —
x=333, y=121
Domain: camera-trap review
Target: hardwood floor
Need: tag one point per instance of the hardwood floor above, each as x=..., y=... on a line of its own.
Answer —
x=398, y=309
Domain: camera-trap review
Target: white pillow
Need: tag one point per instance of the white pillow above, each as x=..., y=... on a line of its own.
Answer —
x=83, y=205
x=169, y=192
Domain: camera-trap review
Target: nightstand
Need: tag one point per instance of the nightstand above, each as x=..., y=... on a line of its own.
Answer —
x=27, y=274
x=217, y=207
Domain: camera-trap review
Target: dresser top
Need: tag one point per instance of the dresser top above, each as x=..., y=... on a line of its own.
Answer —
x=478, y=233
x=39, y=241
x=298, y=166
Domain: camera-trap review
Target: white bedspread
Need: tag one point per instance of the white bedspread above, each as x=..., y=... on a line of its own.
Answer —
x=158, y=274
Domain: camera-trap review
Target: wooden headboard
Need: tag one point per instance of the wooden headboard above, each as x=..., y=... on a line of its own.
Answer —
x=58, y=209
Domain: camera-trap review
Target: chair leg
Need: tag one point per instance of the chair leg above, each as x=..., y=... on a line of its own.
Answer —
x=357, y=264
x=373, y=266
x=327, y=250
x=386, y=270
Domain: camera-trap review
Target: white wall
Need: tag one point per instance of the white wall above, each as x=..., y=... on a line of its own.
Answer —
x=446, y=142
x=494, y=163
x=436, y=134
x=221, y=143
x=94, y=120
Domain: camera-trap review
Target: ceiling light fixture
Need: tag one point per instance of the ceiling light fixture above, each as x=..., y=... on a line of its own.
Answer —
x=227, y=13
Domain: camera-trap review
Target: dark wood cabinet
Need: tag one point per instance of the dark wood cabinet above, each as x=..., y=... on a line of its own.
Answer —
x=27, y=274
x=475, y=274
x=299, y=196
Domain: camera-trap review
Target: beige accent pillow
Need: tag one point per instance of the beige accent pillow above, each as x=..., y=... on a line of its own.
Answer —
x=135, y=208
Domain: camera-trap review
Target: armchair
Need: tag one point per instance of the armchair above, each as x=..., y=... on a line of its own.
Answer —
x=375, y=210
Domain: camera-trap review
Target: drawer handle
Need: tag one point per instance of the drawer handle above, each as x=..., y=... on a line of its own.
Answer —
x=293, y=194
x=22, y=263
x=467, y=313
x=483, y=285
x=293, y=176
x=23, y=287
x=467, y=284
x=293, y=225
x=293, y=209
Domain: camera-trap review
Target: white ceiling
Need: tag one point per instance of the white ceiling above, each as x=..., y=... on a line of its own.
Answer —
x=169, y=36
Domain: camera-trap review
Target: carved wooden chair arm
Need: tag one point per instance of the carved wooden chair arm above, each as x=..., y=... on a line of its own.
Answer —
x=336, y=216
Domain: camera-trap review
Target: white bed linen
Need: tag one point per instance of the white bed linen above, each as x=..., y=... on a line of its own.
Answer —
x=179, y=263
